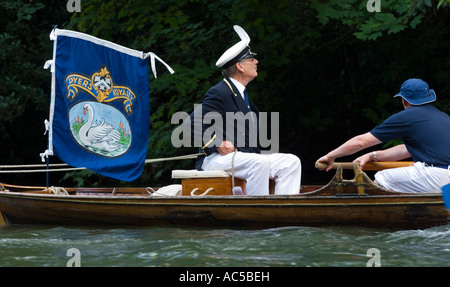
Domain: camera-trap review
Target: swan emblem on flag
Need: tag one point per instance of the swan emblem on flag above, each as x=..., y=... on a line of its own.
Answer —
x=105, y=132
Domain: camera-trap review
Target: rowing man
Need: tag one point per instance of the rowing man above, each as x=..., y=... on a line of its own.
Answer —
x=425, y=132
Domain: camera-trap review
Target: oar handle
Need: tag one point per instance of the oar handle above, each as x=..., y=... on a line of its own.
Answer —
x=369, y=166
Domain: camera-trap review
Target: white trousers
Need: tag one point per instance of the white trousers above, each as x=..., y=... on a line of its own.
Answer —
x=417, y=178
x=257, y=169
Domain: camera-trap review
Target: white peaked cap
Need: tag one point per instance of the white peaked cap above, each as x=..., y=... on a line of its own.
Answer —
x=239, y=51
x=242, y=34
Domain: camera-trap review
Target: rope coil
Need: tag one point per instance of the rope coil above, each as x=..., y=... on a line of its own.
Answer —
x=58, y=190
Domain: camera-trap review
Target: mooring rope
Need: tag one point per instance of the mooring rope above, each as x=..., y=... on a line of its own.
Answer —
x=42, y=170
x=32, y=165
x=183, y=157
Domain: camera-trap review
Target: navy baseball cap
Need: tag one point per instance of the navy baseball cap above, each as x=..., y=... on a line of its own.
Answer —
x=416, y=92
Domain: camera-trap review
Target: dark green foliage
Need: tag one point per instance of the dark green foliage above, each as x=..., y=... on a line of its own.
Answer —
x=330, y=68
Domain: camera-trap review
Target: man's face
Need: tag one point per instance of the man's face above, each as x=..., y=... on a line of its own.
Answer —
x=250, y=66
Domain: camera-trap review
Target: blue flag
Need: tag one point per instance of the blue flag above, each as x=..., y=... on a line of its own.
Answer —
x=99, y=111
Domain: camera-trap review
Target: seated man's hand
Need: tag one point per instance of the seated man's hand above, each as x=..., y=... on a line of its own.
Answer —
x=226, y=147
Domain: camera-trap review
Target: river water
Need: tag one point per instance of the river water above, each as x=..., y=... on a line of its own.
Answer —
x=36, y=246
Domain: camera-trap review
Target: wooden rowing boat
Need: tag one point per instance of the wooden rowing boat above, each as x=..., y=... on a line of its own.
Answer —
x=358, y=202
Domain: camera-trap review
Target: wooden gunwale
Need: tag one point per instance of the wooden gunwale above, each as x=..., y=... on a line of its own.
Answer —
x=270, y=200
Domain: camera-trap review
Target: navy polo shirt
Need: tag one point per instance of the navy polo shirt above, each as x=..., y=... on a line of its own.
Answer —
x=425, y=131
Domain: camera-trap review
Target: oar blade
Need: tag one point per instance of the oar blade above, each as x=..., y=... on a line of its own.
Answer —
x=446, y=195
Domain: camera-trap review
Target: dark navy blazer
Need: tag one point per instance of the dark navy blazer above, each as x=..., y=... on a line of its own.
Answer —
x=224, y=101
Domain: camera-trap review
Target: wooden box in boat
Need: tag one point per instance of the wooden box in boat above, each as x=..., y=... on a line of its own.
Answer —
x=196, y=182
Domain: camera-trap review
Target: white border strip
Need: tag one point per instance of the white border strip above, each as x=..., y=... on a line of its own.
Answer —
x=95, y=40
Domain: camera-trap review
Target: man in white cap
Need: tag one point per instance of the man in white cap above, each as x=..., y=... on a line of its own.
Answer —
x=425, y=132
x=234, y=147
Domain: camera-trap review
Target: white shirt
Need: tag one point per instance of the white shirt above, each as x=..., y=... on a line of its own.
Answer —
x=239, y=86
x=241, y=89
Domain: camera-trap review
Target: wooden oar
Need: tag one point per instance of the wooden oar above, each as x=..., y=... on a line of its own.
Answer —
x=369, y=166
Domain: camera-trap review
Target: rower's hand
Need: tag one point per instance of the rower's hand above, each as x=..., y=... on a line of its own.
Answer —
x=226, y=147
x=326, y=160
x=364, y=159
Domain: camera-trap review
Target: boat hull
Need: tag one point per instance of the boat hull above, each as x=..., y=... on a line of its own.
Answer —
x=404, y=212
x=357, y=202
